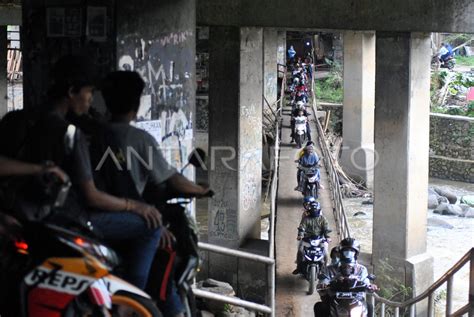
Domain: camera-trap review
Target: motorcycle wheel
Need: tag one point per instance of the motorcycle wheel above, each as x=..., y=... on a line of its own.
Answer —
x=134, y=305
x=299, y=142
x=189, y=302
x=312, y=279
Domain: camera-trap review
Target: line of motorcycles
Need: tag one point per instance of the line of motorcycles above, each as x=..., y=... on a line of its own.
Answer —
x=298, y=90
x=348, y=294
x=50, y=271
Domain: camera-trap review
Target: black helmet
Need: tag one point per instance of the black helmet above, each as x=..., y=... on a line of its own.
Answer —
x=349, y=250
x=315, y=209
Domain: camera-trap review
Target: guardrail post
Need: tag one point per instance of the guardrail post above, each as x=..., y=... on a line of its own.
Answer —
x=382, y=310
x=397, y=311
x=430, y=305
x=471, y=283
x=449, y=296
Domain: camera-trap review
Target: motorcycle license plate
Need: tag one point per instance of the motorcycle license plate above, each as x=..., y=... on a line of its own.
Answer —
x=344, y=295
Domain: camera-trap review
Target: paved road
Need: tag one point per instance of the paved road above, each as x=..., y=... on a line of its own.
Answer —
x=291, y=297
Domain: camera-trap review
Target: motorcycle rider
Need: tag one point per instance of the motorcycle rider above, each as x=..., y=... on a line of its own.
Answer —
x=135, y=224
x=122, y=91
x=313, y=224
x=300, y=106
x=308, y=158
x=291, y=54
x=347, y=252
x=445, y=52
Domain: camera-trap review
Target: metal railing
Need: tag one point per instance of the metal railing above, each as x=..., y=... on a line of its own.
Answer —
x=343, y=228
x=447, y=278
x=269, y=261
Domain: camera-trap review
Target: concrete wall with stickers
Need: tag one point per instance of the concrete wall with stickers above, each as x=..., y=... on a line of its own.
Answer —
x=157, y=40
x=52, y=29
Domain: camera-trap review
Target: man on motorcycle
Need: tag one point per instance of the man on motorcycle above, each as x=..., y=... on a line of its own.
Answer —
x=291, y=54
x=53, y=138
x=445, y=52
x=345, y=265
x=308, y=158
x=122, y=91
x=313, y=224
x=300, y=106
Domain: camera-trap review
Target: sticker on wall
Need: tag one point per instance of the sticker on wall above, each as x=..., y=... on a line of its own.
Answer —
x=55, y=22
x=97, y=23
x=153, y=127
x=144, y=112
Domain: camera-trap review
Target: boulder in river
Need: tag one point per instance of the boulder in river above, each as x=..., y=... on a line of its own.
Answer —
x=449, y=210
x=432, y=201
x=469, y=212
x=452, y=198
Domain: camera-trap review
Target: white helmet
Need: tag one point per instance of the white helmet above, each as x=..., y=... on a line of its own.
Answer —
x=296, y=80
x=300, y=105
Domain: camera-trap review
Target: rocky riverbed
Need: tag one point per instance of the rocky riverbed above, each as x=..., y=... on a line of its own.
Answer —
x=449, y=236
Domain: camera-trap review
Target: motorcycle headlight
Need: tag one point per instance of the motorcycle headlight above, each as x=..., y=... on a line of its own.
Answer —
x=102, y=253
x=357, y=311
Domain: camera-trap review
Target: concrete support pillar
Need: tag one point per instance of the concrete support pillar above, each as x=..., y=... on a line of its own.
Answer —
x=235, y=133
x=402, y=97
x=3, y=71
x=235, y=141
x=357, y=156
x=281, y=55
x=270, y=76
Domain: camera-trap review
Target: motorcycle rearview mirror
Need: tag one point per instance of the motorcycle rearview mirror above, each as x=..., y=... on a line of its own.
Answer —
x=372, y=277
x=197, y=158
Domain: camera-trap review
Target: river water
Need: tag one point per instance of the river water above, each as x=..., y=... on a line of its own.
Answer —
x=445, y=245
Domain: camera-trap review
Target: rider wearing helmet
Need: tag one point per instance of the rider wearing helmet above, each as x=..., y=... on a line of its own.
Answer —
x=300, y=106
x=348, y=251
x=307, y=158
x=313, y=224
x=307, y=201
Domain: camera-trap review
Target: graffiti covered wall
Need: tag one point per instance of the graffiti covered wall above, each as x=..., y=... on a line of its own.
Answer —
x=157, y=39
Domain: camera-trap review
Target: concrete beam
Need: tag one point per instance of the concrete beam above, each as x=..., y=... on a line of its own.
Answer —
x=378, y=15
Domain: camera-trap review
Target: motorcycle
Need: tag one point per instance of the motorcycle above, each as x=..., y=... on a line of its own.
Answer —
x=449, y=63
x=184, y=255
x=309, y=180
x=300, y=132
x=347, y=297
x=54, y=272
x=312, y=259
